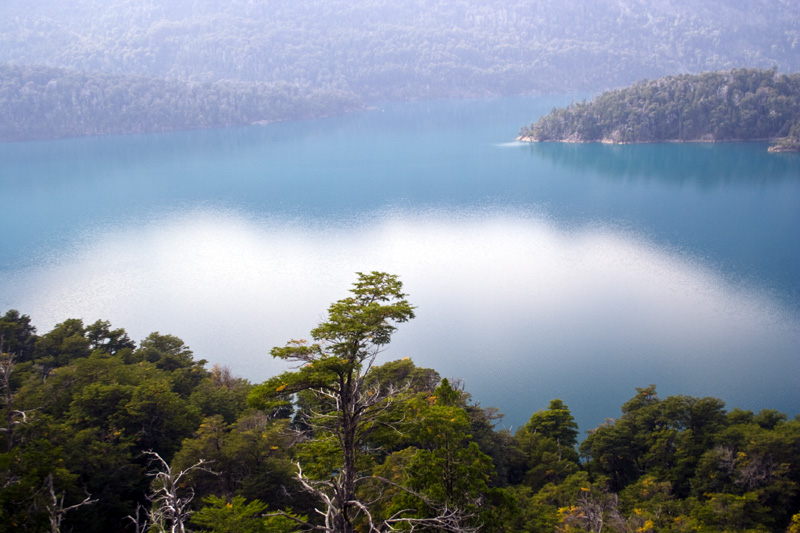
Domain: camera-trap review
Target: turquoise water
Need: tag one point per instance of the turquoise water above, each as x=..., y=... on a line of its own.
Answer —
x=539, y=271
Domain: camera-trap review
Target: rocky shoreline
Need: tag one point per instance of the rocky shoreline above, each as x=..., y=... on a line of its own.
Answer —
x=779, y=146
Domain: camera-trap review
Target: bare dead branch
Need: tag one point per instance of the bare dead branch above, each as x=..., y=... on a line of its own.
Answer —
x=140, y=523
x=56, y=509
x=170, y=505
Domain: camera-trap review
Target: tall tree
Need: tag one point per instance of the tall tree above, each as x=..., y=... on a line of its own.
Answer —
x=102, y=337
x=548, y=441
x=336, y=368
x=18, y=335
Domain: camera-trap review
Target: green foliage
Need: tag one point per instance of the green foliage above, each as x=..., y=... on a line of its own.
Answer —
x=683, y=462
x=64, y=343
x=90, y=409
x=220, y=393
x=752, y=461
x=237, y=516
x=249, y=458
x=87, y=406
x=403, y=373
x=500, y=446
x=555, y=423
x=18, y=335
x=448, y=466
x=548, y=442
x=739, y=104
x=112, y=341
x=530, y=515
x=654, y=436
x=357, y=327
x=23, y=500
x=439, y=465
x=347, y=407
x=169, y=353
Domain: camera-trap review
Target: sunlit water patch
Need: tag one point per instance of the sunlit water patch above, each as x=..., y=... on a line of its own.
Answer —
x=519, y=306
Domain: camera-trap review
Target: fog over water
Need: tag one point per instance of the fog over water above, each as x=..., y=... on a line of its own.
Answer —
x=577, y=272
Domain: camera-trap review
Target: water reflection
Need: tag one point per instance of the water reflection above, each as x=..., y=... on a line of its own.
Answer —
x=523, y=309
x=705, y=165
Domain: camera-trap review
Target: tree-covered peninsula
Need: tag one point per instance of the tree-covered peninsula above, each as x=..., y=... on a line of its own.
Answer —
x=733, y=105
x=102, y=434
x=41, y=102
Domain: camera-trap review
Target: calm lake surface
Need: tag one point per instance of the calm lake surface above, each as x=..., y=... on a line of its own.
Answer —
x=539, y=271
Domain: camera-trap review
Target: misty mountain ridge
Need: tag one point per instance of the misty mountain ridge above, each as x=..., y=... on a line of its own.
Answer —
x=409, y=48
x=374, y=51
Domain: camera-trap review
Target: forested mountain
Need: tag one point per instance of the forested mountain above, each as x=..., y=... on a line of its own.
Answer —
x=100, y=434
x=739, y=104
x=405, y=48
x=382, y=50
x=43, y=102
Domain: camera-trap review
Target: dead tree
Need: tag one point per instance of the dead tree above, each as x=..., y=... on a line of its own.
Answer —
x=14, y=417
x=169, y=500
x=55, y=507
x=447, y=519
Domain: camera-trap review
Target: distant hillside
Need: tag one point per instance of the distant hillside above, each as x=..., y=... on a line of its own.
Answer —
x=739, y=104
x=42, y=102
x=176, y=64
x=401, y=49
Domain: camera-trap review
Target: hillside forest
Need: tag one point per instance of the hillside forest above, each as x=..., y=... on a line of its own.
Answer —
x=734, y=105
x=103, y=434
x=43, y=102
x=281, y=60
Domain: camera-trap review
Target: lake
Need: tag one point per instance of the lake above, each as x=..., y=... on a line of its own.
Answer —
x=538, y=271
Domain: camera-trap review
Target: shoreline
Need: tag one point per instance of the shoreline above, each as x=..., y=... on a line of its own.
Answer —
x=775, y=148
x=529, y=139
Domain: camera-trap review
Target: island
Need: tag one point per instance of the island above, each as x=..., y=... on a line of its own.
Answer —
x=732, y=105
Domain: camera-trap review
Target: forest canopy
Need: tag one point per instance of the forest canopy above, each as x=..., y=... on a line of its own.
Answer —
x=101, y=433
x=739, y=104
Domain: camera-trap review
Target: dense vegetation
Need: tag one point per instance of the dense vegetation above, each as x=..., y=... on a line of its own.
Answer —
x=101, y=434
x=42, y=102
x=403, y=49
x=740, y=104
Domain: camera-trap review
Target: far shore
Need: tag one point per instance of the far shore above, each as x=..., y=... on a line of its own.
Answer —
x=792, y=147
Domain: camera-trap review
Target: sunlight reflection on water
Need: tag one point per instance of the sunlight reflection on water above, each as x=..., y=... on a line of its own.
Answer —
x=521, y=309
